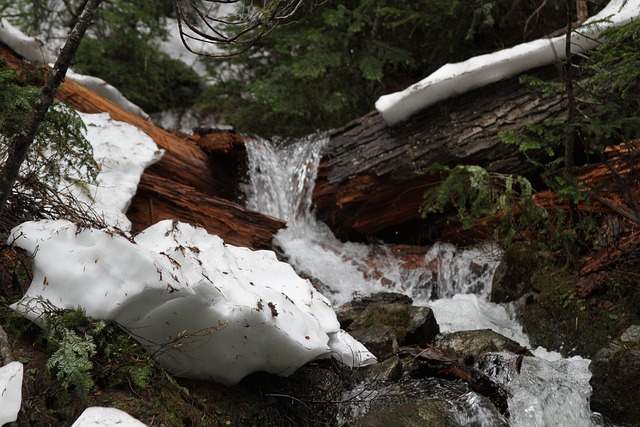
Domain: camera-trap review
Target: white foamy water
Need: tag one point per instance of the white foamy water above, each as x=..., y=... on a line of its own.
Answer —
x=282, y=182
x=549, y=391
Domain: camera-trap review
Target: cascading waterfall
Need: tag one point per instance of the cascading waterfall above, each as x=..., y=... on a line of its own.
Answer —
x=282, y=181
x=550, y=391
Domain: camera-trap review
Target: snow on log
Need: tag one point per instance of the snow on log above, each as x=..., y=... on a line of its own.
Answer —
x=34, y=51
x=206, y=310
x=454, y=79
x=371, y=177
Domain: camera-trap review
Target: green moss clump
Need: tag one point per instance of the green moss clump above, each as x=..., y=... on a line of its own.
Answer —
x=560, y=321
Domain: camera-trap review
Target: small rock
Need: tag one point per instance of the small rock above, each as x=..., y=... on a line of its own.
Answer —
x=388, y=370
x=379, y=340
x=512, y=278
x=632, y=334
x=411, y=324
x=464, y=343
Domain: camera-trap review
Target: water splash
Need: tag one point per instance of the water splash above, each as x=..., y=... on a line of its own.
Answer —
x=549, y=391
x=282, y=181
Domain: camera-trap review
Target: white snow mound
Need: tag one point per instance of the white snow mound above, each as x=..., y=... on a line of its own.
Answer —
x=122, y=152
x=106, y=417
x=454, y=79
x=206, y=310
x=10, y=391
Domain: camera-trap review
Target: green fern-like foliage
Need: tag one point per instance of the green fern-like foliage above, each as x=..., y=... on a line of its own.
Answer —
x=85, y=353
x=59, y=152
x=473, y=192
x=60, y=149
x=70, y=362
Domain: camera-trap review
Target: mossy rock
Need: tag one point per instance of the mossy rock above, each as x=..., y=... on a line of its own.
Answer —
x=411, y=324
x=512, y=278
x=558, y=320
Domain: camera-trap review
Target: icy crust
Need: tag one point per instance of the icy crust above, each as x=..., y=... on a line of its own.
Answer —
x=35, y=51
x=10, y=391
x=122, y=152
x=206, y=310
x=454, y=79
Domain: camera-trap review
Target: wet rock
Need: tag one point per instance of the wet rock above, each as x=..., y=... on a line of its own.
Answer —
x=423, y=402
x=412, y=325
x=379, y=340
x=390, y=369
x=615, y=377
x=357, y=306
x=512, y=278
x=383, y=297
x=464, y=343
x=432, y=412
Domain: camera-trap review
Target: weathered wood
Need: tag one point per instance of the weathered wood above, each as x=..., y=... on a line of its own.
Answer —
x=371, y=178
x=159, y=198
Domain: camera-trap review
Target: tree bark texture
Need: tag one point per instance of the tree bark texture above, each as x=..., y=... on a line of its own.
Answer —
x=371, y=179
x=20, y=143
x=160, y=198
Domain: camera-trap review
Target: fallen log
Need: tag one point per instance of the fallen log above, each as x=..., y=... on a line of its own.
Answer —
x=159, y=198
x=432, y=363
x=371, y=179
x=184, y=184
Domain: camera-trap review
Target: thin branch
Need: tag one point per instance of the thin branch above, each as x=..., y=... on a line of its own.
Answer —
x=239, y=30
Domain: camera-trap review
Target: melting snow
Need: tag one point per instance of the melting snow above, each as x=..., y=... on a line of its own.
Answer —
x=106, y=417
x=10, y=392
x=206, y=309
x=454, y=79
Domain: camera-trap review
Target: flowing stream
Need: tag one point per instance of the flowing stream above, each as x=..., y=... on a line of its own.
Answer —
x=549, y=391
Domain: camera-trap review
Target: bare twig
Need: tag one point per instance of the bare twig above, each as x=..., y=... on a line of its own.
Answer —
x=239, y=29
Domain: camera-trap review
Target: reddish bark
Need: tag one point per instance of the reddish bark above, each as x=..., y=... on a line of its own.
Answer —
x=185, y=183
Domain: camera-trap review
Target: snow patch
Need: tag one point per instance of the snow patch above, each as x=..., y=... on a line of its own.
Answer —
x=106, y=417
x=10, y=391
x=122, y=152
x=454, y=79
x=205, y=309
x=34, y=50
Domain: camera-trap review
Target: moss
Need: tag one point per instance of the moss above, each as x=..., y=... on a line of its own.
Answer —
x=396, y=316
x=560, y=321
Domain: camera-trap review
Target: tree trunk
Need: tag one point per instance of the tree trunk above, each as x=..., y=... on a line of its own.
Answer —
x=20, y=143
x=371, y=179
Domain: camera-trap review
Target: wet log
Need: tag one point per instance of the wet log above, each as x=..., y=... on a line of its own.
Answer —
x=432, y=363
x=159, y=198
x=371, y=179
